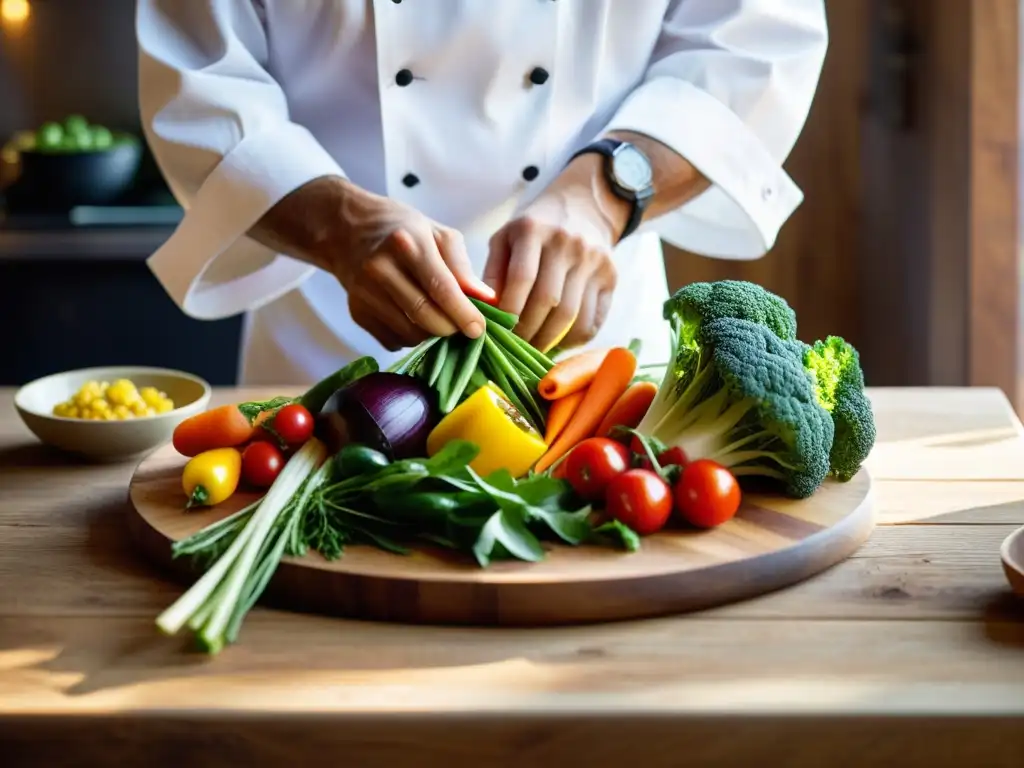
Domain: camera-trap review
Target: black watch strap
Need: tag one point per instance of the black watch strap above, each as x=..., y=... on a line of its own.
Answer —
x=607, y=147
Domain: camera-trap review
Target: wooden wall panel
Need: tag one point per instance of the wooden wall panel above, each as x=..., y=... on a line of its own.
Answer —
x=814, y=262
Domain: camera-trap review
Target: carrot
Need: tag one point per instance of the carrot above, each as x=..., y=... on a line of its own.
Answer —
x=630, y=408
x=609, y=382
x=560, y=413
x=226, y=426
x=571, y=375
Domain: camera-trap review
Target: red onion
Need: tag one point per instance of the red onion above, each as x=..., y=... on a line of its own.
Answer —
x=389, y=412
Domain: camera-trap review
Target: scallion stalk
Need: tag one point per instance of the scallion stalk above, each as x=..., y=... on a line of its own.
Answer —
x=212, y=601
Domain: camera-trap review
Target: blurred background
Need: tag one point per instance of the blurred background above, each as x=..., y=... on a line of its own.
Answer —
x=907, y=243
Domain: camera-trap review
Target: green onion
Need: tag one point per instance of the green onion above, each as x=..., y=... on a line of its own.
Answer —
x=495, y=315
x=470, y=360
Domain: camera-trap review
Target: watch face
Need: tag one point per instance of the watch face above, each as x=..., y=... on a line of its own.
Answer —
x=632, y=169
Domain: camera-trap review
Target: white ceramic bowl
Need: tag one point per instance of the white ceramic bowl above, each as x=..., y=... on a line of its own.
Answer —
x=109, y=440
x=1012, y=553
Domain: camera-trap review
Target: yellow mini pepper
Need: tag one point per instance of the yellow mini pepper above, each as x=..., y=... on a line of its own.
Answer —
x=490, y=421
x=211, y=477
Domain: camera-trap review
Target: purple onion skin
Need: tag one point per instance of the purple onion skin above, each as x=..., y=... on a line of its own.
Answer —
x=390, y=412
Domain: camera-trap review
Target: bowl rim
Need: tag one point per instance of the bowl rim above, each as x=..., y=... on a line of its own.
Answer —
x=143, y=369
x=1004, y=550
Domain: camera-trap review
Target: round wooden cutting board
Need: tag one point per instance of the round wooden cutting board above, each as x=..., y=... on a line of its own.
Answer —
x=773, y=542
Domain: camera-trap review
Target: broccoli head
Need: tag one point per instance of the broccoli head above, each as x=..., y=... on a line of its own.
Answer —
x=839, y=387
x=749, y=404
x=698, y=303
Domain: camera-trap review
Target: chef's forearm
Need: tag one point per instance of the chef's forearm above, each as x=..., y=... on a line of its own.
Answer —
x=308, y=224
x=676, y=181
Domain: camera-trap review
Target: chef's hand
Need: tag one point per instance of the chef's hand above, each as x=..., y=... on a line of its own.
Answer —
x=402, y=272
x=552, y=265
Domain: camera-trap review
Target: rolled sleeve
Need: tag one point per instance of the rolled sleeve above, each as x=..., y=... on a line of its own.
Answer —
x=201, y=65
x=729, y=88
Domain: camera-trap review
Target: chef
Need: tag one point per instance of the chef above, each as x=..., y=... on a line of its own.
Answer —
x=349, y=168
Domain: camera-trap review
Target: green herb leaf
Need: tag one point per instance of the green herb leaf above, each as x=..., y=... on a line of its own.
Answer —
x=507, y=528
x=618, y=534
x=571, y=527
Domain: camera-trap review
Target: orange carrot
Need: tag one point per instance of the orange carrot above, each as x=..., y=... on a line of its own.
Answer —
x=226, y=426
x=560, y=413
x=571, y=375
x=630, y=408
x=610, y=381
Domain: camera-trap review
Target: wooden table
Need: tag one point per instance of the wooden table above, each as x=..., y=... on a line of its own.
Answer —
x=913, y=650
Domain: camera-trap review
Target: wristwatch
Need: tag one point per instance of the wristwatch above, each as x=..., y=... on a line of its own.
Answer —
x=629, y=173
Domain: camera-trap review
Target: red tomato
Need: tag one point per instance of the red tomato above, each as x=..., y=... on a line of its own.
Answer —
x=707, y=494
x=666, y=458
x=640, y=499
x=593, y=464
x=293, y=424
x=674, y=455
x=261, y=464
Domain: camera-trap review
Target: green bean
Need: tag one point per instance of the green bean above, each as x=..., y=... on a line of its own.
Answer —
x=495, y=315
x=439, y=357
x=469, y=362
x=514, y=383
x=513, y=345
x=497, y=375
x=451, y=362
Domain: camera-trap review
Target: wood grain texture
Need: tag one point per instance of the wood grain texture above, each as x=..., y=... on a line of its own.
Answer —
x=911, y=651
x=772, y=542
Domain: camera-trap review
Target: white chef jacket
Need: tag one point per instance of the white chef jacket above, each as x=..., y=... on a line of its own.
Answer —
x=243, y=101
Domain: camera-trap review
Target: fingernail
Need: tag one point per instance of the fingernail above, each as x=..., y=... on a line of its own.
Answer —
x=474, y=329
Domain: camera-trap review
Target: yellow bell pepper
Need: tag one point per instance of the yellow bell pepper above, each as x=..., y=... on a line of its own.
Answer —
x=490, y=421
x=211, y=477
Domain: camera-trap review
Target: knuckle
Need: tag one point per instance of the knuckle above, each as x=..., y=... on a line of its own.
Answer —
x=519, y=272
x=418, y=306
x=578, y=245
x=399, y=242
x=547, y=299
x=524, y=226
x=375, y=267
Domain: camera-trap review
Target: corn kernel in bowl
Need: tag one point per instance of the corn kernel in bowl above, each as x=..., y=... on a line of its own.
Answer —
x=117, y=401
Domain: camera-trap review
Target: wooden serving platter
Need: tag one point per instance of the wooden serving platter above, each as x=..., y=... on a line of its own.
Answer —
x=772, y=543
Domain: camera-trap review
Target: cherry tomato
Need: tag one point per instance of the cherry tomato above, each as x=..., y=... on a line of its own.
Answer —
x=666, y=458
x=261, y=464
x=640, y=499
x=673, y=456
x=593, y=464
x=707, y=494
x=293, y=424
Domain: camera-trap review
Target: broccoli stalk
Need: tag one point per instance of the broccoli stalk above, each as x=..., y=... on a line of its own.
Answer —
x=695, y=304
x=741, y=396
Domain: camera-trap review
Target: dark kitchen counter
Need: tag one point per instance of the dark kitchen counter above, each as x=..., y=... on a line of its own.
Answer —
x=107, y=244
